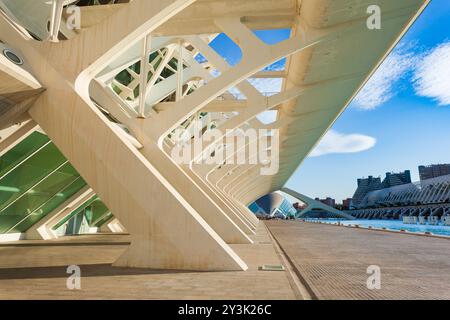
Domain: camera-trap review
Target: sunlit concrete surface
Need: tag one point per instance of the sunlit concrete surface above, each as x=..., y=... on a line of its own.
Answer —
x=37, y=270
x=323, y=261
x=104, y=98
x=333, y=261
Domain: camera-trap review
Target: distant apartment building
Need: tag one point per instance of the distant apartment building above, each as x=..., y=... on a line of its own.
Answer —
x=328, y=201
x=433, y=171
x=365, y=185
x=397, y=189
x=396, y=179
x=346, y=203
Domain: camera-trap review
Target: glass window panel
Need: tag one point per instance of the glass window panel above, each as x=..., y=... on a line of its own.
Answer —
x=105, y=218
x=94, y=212
x=35, y=179
x=74, y=213
x=30, y=172
x=54, y=202
x=98, y=210
x=36, y=197
x=21, y=151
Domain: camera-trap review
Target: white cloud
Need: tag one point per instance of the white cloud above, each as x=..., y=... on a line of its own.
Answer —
x=382, y=86
x=429, y=72
x=432, y=75
x=336, y=142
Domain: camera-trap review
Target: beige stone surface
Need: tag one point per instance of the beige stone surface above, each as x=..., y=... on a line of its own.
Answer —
x=177, y=221
x=333, y=261
x=40, y=267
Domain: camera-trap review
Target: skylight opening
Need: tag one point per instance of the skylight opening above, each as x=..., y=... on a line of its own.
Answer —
x=268, y=117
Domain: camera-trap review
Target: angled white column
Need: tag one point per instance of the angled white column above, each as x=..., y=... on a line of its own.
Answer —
x=214, y=215
x=180, y=216
x=201, y=173
x=166, y=232
x=226, y=206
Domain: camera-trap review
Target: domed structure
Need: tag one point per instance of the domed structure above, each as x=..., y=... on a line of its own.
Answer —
x=273, y=204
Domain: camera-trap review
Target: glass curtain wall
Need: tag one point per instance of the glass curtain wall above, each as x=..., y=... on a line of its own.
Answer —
x=35, y=179
x=92, y=214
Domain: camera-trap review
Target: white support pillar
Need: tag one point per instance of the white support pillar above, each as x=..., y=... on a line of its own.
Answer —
x=146, y=47
x=132, y=188
x=179, y=91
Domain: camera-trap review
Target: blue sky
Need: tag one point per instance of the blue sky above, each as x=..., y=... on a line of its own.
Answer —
x=401, y=120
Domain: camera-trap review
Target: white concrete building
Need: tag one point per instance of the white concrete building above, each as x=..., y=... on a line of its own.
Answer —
x=92, y=97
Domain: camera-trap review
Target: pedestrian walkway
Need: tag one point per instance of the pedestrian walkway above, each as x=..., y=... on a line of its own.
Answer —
x=332, y=261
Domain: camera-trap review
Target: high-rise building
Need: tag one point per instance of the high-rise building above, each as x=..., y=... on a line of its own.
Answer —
x=396, y=179
x=365, y=185
x=434, y=171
